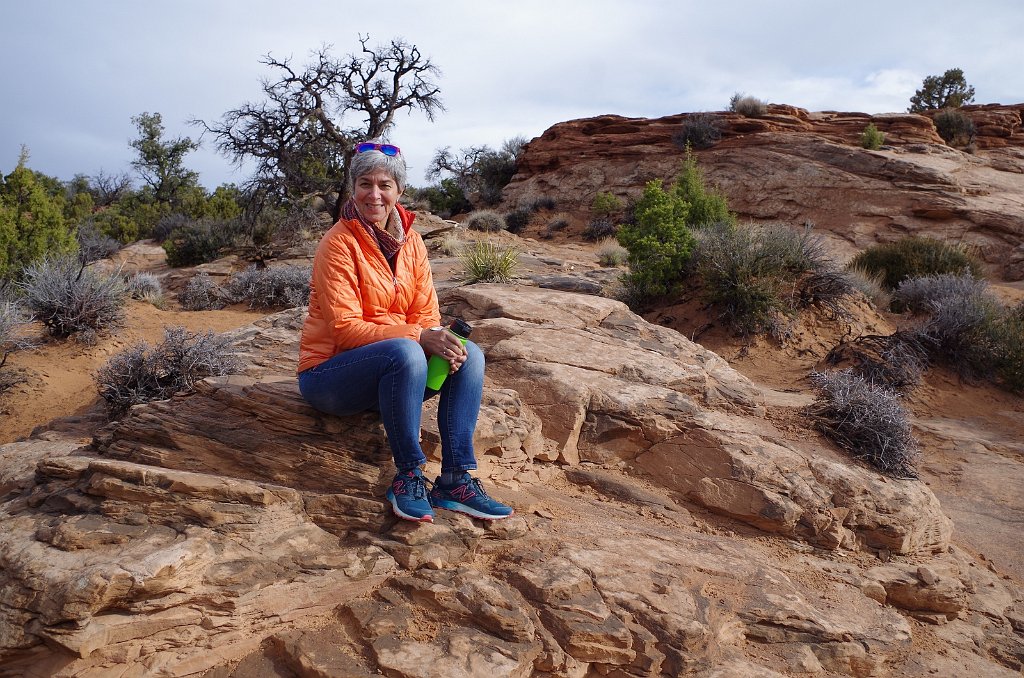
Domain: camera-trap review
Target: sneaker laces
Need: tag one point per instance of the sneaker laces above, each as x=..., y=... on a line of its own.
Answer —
x=417, y=485
x=475, y=484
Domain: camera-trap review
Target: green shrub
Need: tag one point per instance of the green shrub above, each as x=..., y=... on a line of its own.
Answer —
x=111, y=223
x=271, y=287
x=485, y=220
x=1007, y=334
x=866, y=420
x=517, y=220
x=955, y=127
x=871, y=138
x=141, y=374
x=32, y=222
x=606, y=206
x=486, y=262
x=659, y=244
x=747, y=106
x=197, y=242
x=707, y=206
x=201, y=294
x=660, y=238
x=611, y=253
x=915, y=257
x=446, y=198
x=70, y=299
x=699, y=130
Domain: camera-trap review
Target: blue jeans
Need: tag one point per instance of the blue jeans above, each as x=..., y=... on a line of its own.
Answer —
x=390, y=376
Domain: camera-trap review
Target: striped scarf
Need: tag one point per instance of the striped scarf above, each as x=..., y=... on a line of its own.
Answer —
x=390, y=238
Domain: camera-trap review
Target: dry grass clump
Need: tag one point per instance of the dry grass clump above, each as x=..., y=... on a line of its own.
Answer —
x=485, y=220
x=611, y=253
x=747, y=106
x=866, y=420
x=142, y=374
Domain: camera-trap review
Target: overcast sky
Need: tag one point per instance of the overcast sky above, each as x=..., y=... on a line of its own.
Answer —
x=74, y=72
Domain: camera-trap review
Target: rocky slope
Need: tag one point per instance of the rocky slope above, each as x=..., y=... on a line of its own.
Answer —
x=795, y=167
x=666, y=525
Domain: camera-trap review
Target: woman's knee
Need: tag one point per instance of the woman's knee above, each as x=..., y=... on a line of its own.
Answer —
x=407, y=356
x=475, y=360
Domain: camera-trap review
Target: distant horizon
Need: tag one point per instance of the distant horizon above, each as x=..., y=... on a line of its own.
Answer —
x=210, y=188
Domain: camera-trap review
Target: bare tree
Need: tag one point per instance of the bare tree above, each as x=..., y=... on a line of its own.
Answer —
x=299, y=137
x=107, y=189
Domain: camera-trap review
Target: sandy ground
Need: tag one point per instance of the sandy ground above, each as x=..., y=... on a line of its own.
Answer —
x=57, y=378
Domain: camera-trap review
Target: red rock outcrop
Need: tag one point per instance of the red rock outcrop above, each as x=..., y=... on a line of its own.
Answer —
x=794, y=166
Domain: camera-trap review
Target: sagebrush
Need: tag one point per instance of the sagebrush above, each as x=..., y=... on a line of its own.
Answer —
x=866, y=420
x=12, y=319
x=757, y=277
x=279, y=287
x=144, y=286
x=699, y=130
x=72, y=299
x=201, y=294
x=611, y=253
x=142, y=373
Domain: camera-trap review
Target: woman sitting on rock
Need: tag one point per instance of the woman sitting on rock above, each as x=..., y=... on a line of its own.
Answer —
x=373, y=323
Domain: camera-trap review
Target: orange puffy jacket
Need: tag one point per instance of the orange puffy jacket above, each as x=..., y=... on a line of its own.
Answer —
x=355, y=299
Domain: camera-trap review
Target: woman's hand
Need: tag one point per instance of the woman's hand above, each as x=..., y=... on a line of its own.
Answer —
x=444, y=344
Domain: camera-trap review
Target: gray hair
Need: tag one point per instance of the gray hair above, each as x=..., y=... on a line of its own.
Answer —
x=372, y=161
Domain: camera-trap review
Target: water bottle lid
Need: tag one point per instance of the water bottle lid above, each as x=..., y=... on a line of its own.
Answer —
x=461, y=328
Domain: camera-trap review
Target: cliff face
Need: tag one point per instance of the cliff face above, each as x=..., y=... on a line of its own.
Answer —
x=794, y=166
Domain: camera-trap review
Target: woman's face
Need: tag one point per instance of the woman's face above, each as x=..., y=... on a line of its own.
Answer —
x=376, y=194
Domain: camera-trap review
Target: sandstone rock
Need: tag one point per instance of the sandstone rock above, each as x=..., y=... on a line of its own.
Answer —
x=796, y=167
x=237, y=532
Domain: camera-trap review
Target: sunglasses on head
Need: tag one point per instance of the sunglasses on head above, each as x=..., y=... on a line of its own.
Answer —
x=386, y=149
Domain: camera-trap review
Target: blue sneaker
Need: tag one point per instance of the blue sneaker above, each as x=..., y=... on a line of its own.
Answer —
x=467, y=496
x=408, y=497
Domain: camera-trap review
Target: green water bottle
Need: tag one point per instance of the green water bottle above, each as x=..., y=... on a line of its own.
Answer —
x=437, y=367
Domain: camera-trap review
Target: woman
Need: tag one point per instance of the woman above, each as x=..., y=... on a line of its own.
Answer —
x=373, y=323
